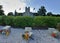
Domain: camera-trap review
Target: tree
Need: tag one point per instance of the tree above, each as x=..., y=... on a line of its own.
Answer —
x=16, y=13
x=1, y=11
x=10, y=14
x=49, y=14
x=42, y=11
x=1, y=7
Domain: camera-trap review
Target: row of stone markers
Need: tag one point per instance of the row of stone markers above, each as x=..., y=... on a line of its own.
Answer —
x=50, y=32
x=28, y=30
x=28, y=34
x=5, y=30
x=54, y=33
x=39, y=36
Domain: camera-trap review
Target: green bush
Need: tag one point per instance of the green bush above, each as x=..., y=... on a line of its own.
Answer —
x=58, y=26
x=51, y=21
x=23, y=21
x=39, y=21
x=0, y=20
x=9, y=20
x=18, y=21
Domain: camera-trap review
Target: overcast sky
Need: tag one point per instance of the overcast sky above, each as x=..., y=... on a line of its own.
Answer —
x=12, y=5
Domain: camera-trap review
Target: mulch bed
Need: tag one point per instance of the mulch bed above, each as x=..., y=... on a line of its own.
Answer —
x=41, y=28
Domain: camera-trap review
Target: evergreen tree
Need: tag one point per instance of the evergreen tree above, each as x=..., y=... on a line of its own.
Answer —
x=16, y=13
x=49, y=14
x=42, y=11
x=1, y=11
x=10, y=14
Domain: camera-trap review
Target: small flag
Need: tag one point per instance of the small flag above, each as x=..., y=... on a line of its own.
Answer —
x=34, y=9
x=19, y=8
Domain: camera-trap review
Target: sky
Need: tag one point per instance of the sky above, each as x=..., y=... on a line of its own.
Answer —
x=12, y=5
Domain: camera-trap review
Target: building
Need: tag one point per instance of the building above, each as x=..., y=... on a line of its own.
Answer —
x=26, y=13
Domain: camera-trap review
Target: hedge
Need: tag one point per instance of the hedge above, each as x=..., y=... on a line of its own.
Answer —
x=23, y=21
x=20, y=21
x=0, y=20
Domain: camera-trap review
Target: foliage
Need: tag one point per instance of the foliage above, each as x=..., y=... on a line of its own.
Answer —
x=10, y=14
x=58, y=26
x=9, y=20
x=0, y=7
x=1, y=11
x=49, y=14
x=38, y=21
x=0, y=20
x=23, y=21
x=15, y=13
x=42, y=11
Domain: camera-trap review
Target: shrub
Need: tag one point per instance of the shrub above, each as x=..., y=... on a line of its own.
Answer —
x=0, y=20
x=24, y=21
x=39, y=21
x=51, y=21
x=9, y=20
x=58, y=26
